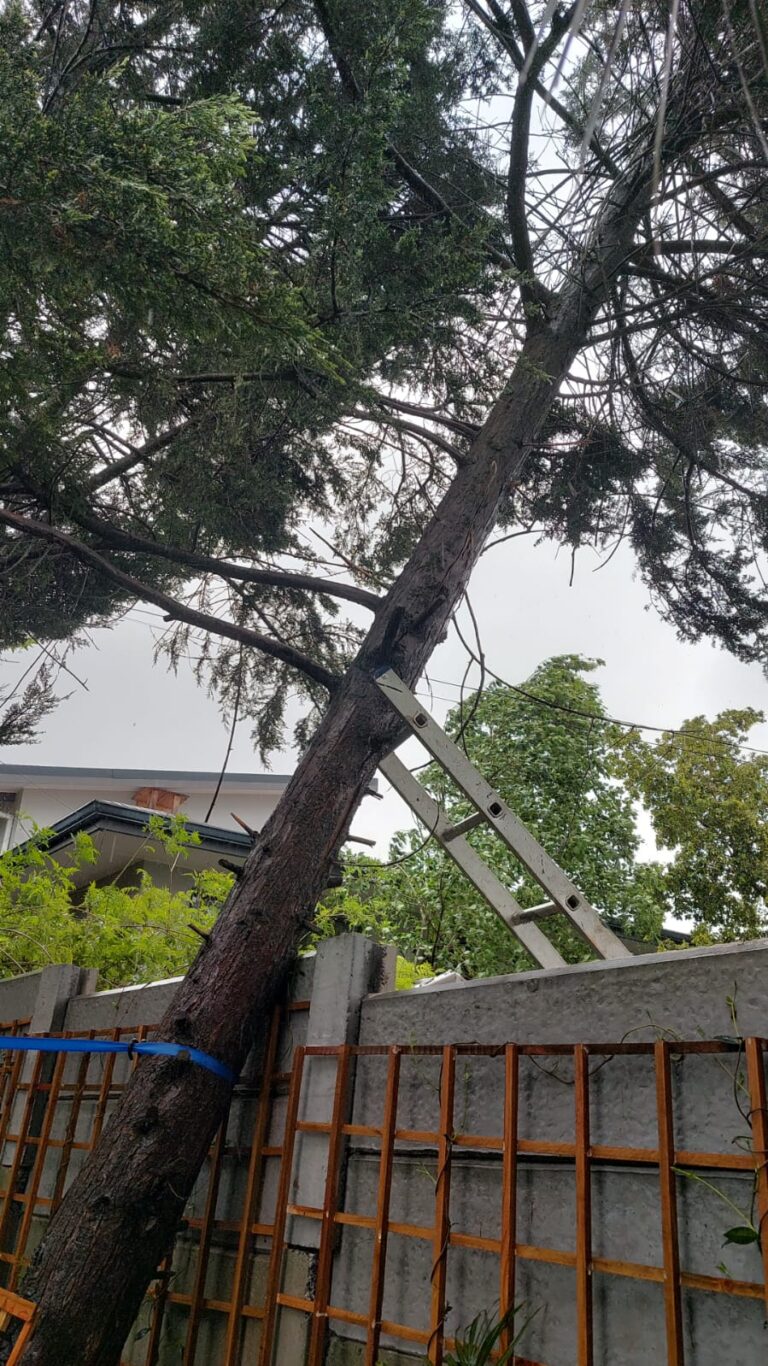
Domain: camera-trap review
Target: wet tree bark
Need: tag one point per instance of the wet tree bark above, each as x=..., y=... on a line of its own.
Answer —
x=120, y=1216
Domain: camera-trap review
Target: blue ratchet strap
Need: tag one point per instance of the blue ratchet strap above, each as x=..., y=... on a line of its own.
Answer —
x=30, y=1043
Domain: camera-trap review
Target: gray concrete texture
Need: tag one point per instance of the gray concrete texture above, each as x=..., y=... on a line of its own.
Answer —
x=685, y=992
x=18, y=996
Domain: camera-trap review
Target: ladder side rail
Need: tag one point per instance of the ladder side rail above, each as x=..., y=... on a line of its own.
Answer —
x=515, y=835
x=516, y=919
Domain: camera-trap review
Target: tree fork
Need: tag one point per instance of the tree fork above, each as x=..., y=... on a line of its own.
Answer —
x=120, y=1216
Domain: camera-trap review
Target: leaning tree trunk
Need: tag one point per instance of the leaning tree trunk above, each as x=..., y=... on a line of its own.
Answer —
x=120, y=1216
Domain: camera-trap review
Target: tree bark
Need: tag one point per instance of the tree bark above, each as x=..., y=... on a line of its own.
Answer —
x=121, y=1214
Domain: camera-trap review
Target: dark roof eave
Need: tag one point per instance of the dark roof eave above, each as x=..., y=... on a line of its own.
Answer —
x=125, y=820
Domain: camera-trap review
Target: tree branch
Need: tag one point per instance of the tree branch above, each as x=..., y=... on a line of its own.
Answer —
x=226, y=569
x=136, y=456
x=499, y=26
x=454, y=424
x=700, y=246
x=422, y=433
x=178, y=611
x=531, y=289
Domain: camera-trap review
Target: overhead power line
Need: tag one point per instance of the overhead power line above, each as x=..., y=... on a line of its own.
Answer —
x=547, y=702
x=601, y=718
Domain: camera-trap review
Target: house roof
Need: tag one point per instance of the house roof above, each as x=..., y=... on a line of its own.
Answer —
x=132, y=820
x=58, y=775
x=119, y=833
x=647, y=945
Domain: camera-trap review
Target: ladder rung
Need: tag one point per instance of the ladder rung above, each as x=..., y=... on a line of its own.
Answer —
x=452, y=832
x=541, y=912
x=476, y=869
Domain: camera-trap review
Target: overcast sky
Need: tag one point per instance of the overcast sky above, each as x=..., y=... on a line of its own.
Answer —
x=135, y=713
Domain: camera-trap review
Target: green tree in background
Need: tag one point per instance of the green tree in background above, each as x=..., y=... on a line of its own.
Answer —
x=708, y=801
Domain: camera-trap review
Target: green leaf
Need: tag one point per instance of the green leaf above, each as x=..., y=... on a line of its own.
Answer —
x=742, y=1234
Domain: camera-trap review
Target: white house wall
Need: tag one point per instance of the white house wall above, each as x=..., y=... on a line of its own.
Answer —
x=44, y=806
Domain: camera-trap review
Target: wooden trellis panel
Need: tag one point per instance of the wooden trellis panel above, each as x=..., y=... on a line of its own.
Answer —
x=37, y=1153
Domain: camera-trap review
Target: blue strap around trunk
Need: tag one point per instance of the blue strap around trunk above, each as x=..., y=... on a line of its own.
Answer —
x=30, y=1043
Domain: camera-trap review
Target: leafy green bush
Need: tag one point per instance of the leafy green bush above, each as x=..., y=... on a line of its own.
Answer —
x=130, y=933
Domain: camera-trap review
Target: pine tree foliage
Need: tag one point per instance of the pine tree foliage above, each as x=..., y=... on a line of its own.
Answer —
x=267, y=266
x=22, y=712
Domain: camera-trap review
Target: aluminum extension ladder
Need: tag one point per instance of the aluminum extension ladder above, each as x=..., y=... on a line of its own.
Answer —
x=564, y=896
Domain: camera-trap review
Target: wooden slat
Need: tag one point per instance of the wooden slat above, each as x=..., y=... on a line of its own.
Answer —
x=11, y=1064
x=251, y=1197
x=104, y=1092
x=539, y=1147
x=636, y=1271
x=276, y=1255
x=33, y=1180
x=509, y=1187
x=21, y=1143
x=759, y=1121
x=531, y=1050
x=668, y=1193
x=724, y=1162
x=442, y=1209
x=9, y=1104
x=551, y=1256
x=386, y=1162
x=722, y=1285
x=204, y=1246
x=216, y=1306
x=319, y=1328
x=21, y=1342
x=481, y=1142
x=475, y=1240
x=584, y=1336
x=159, y=1294
x=18, y=1308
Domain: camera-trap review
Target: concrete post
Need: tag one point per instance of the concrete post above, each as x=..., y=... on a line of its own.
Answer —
x=347, y=969
x=53, y=987
x=59, y=983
